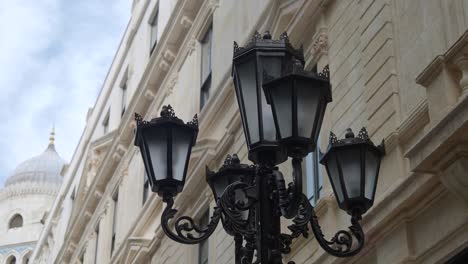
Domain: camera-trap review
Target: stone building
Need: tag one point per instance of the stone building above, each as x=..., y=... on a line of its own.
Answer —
x=25, y=201
x=397, y=67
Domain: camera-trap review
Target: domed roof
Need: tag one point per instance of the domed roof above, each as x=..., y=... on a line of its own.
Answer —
x=44, y=168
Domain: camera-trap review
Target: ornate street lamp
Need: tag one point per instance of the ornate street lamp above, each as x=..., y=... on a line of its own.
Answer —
x=249, y=62
x=166, y=143
x=353, y=165
x=251, y=199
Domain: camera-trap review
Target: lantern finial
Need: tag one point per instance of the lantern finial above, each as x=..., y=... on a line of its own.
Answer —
x=267, y=35
x=349, y=133
x=167, y=111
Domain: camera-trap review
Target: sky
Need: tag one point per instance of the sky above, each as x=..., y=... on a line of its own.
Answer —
x=54, y=56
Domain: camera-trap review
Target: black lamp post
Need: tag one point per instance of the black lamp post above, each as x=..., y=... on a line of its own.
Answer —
x=251, y=199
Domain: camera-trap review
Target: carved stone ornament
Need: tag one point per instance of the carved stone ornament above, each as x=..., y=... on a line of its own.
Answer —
x=319, y=44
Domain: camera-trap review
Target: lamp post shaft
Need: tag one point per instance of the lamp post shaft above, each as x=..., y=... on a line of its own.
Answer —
x=268, y=220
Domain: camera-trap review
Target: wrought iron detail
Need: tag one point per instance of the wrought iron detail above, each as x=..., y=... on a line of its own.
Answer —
x=363, y=134
x=185, y=226
x=167, y=112
x=343, y=244
x=266, y=39
x=284, y=36
x=325, y=73
x=139, y=120
x=194, y=122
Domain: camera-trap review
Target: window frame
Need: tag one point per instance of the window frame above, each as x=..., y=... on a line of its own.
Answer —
x=105, y=123
x=205, y=81
x=153, y=29
x=96, y=230
x=115, y=199
x=10, y=222
x=313, y=176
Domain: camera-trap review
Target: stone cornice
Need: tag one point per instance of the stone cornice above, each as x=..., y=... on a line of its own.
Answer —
x=436, y=65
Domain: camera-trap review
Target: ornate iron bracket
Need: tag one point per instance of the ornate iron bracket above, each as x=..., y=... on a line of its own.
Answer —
x=184, y=225
x=343, y=244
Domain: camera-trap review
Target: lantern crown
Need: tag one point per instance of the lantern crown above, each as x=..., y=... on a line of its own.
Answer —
x=265, y=42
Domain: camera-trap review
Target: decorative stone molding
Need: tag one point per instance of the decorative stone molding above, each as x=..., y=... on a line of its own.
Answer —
x=168, y=55
x=28, y=188
x=149, y=95
x=164, y=65
x=462, y=63
x=171, y=83
x=98, y=194
x=119, y=152
x=186, y=22
x=441, y=79
x=213, y=4
x=319, y=44
x=191, y=46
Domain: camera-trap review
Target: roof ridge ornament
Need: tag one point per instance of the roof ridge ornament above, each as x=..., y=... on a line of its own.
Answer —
x=52, y=138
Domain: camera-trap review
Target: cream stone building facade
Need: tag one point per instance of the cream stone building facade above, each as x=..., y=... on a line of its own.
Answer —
x=397, y=67
x=25, y=201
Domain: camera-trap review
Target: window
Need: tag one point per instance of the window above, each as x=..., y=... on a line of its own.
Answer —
x=97, y=244
x=124, y=97
x=114, y=221
x=154, y=32
x=145, y=188
x=16, y=222
x=73, y=194
x=314, y=180
x=82, y=256
x=11, y=260
x=206, y=67
x=203, y=246
x=105, y=123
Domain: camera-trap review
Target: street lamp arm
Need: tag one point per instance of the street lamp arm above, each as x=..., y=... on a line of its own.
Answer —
x=342, y=244
x=185, y=226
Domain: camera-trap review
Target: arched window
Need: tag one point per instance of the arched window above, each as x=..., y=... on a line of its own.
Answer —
x=15, y=222
x=11, y=260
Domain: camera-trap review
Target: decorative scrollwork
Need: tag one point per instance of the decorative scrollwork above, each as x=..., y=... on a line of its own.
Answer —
x=299, y=226
x=342, y=244
x=235, y=212
x=185, y=226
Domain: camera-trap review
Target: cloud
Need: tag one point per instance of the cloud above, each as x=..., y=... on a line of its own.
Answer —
x=54, y=55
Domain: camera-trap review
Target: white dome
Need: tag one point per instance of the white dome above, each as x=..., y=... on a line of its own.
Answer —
x=44, y=168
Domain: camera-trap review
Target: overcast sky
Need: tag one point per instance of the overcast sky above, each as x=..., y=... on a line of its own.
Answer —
x=54, y=55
